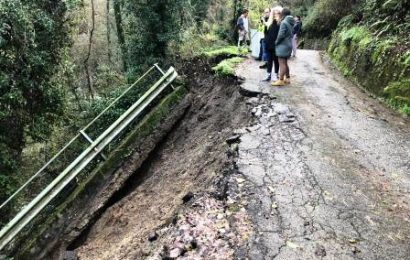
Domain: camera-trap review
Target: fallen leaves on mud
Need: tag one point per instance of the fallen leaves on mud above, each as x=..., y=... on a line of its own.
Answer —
x=204, y=231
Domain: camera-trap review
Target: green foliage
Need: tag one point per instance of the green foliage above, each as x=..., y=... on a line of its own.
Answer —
x=151, y=26
x=374, y=62
x=406, y=59
x=227, y=67
x=193, y=43
x=325, y=15
x=398, y=94
x=357, y=34
x=387, y=17
x=224, y=51
x=258, y=6
x=298, y=7
x=372, y=46
x=33, y=36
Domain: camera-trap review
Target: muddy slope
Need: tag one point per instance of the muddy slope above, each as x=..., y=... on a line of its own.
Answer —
x=187, y=162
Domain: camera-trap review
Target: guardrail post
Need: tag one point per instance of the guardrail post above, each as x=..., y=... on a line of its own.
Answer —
x=91, y=142
x=162, y=72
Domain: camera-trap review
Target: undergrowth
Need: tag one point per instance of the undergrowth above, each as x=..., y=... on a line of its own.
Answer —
x=379, y=64
x=225, y=50
x=398, y=94
x=227, y=67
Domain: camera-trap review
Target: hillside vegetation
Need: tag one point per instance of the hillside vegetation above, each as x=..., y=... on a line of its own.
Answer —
x=62, y=62
x=372, y=45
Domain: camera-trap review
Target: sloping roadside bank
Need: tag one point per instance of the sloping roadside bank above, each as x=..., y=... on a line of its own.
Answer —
x=91, y=195
x=66, y=228
x=185, y=172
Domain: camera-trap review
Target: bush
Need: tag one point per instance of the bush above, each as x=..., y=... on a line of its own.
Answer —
x=398, y=94
x=227, y=67
x=325, y=15
x=374, y=62
x=227, y=51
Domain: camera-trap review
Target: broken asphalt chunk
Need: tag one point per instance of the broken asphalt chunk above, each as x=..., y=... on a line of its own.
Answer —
x=252, y=101
x=320, y=251
x=176, y=252
x=286, y=119
x=233, y=139
x=69, y=255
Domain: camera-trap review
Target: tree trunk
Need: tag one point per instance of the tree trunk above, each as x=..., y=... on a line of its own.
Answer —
x=235, y=11
x=87, y=59
x=120, y=32
x=109, y=54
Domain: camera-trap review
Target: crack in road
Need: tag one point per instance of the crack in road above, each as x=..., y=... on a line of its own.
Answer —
x=315, y=188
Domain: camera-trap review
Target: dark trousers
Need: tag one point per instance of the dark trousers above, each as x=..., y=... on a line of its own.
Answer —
x=261, y=50
x=272, y=60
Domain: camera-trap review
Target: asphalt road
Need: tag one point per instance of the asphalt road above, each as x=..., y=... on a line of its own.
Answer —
x=326, y=168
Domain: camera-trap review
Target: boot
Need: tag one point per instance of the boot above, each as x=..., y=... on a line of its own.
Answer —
x=279, y=83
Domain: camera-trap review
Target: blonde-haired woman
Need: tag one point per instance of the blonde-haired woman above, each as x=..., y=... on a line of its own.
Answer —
x=270, y=39
x=284, y=47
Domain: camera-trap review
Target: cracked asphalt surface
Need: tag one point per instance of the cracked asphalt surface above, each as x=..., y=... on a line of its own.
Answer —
x=326, y=169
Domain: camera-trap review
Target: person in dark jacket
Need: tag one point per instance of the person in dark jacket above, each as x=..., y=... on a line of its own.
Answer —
x=284, y=47
x=297, y=31
x=271, y=35
x=263, y=55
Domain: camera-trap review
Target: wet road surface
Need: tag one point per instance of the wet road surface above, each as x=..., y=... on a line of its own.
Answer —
x=326, y=169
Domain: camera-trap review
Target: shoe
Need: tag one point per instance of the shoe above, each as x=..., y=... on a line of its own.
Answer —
x=287, y=81
x=276, y=76
x=278, y=83
x=268, y=78
x=264, y=66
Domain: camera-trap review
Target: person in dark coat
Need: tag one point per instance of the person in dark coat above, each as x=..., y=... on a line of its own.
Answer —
x=263, y=56
x=284, y=47
x=270, y=39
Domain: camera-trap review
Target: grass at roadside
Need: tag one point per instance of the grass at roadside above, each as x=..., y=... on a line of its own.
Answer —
x=227, y=50
x=227, y=67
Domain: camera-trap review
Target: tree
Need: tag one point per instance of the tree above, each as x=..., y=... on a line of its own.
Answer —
x=33, y=35
x=151, y=25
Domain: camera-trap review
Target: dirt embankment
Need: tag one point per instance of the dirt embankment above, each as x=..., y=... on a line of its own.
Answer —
x=176, y=199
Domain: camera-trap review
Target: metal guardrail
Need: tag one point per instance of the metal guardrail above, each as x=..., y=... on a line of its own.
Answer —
x=30, y=211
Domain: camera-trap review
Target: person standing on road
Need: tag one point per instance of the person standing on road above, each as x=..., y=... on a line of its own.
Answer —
x=243, y=29
x=270, y=39
x=264, y=29
x=297, y=32
x=284, y=47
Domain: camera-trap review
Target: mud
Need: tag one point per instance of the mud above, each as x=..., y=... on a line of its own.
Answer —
x=190, y=160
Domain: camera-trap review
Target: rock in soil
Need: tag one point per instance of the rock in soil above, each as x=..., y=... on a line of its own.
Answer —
x=153, y=236
x=188, y=197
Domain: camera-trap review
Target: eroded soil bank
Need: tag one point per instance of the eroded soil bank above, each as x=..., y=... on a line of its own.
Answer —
x=315, y=170
x=182, y=183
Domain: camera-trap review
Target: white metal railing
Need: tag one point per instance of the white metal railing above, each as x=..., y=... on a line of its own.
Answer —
x=31, y=210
